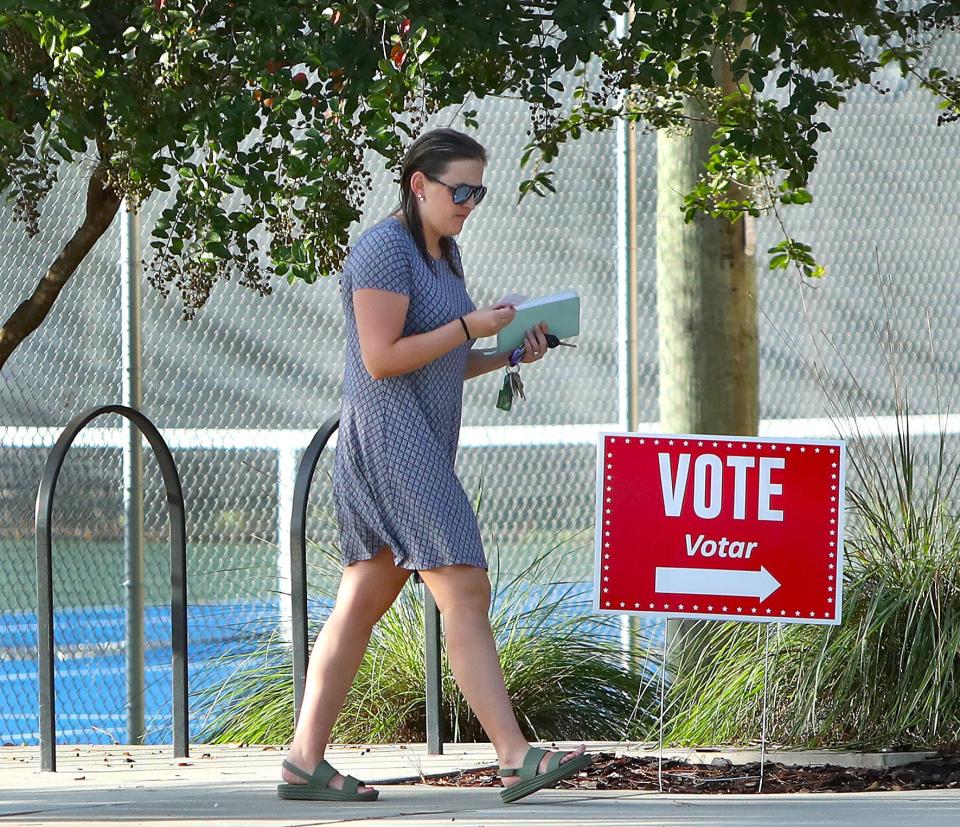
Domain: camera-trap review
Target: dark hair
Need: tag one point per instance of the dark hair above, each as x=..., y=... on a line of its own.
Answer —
x=430, y=154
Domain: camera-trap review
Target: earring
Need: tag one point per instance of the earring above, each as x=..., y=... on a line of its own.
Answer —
x=420, y=196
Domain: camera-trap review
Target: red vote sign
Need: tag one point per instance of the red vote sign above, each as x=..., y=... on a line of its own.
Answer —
x=721, y=527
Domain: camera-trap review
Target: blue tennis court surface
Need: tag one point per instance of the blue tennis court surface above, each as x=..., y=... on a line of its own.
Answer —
x=90, y=671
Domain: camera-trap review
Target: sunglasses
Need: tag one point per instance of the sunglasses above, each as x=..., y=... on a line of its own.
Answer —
x=461, y=192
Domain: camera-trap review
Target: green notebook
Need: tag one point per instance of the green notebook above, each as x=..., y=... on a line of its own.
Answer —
x=561, y=312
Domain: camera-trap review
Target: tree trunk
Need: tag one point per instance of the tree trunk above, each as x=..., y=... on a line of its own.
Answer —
x=102, y=206
x=706, y=301
x=706, y=313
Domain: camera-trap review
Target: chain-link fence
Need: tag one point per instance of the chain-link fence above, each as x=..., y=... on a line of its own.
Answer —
x=239, y=391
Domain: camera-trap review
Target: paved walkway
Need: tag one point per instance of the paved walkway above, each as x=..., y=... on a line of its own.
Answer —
x=236, y=786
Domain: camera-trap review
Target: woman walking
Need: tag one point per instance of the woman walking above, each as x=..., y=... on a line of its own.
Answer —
x=401, y=509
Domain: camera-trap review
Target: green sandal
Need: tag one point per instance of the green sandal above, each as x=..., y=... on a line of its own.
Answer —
x=530, y=781
x=316, y=788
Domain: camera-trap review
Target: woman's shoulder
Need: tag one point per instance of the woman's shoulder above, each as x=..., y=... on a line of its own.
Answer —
x=388, y=232
x=380, y=257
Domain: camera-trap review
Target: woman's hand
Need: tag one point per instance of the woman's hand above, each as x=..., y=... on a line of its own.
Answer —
x=534, y=344
x=489, y=321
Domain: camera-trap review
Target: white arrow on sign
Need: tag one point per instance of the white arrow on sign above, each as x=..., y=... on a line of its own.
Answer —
x=760, y=584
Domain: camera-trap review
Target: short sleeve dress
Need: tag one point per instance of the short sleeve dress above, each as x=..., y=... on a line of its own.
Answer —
x=394, y=481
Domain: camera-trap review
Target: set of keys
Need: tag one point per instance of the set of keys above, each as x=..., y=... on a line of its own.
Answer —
x=512, y=383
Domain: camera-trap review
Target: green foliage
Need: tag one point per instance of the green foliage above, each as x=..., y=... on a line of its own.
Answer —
x=564, y=681
x=790, y=250
x=276, y=102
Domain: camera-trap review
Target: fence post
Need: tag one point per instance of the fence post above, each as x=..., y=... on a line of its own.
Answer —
x=286, y=475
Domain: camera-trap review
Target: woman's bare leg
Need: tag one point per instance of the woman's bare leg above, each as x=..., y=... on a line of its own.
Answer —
x=367, y=589
x=462, y=594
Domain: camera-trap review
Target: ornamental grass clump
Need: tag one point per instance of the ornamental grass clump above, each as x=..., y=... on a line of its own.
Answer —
x=563, y=668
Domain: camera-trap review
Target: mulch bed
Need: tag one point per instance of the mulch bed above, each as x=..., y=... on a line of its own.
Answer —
x=609, y=772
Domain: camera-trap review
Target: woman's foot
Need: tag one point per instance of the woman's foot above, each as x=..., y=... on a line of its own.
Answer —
x=335, y=783
x=517, y=760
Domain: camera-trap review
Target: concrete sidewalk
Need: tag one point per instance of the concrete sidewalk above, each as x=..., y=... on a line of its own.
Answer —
x=237, y=787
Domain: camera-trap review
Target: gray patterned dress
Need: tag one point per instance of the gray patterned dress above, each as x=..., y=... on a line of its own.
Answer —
x=393, y=476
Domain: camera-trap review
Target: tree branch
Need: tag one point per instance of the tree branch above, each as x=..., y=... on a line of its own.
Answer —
x=102, y=206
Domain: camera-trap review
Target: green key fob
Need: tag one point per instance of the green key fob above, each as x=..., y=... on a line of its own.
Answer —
x=505, y=397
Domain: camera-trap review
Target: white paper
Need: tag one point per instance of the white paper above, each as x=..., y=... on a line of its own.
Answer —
x=564, y=294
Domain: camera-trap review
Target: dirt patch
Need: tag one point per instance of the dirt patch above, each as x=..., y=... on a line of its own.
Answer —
x=609, y=772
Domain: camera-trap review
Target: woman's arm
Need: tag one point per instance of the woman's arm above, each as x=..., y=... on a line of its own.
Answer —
x=385, y=351
x=479, y=363
x=380, y=315
x=534, y=345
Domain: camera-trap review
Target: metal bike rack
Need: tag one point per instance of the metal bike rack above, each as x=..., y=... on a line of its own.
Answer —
x=178, y=579
x=298, y=596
